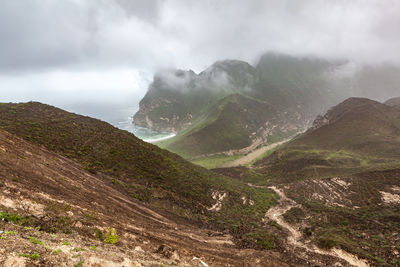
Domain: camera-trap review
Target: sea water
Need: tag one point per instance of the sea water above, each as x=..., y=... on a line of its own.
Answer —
x=143, y=133
x=119, y=116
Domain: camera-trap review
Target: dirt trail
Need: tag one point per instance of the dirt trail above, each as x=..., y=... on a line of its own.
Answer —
x=294, y=237
x=254, y=154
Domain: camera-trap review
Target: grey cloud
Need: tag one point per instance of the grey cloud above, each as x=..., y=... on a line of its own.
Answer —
x=151, y=34
x=145, y=9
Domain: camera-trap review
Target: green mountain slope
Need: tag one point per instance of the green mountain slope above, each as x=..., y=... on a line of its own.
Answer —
x=358, y=134
x=236, y=123
x=281, y=92
x=342, y=179
x=144, y=171
x=232, y=106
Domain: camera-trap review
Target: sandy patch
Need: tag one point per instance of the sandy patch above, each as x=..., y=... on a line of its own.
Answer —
x=390, y=198
x=219, y=197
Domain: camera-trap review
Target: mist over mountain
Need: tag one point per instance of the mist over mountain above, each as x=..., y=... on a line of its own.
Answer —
x=200, y=133
x=279, y=96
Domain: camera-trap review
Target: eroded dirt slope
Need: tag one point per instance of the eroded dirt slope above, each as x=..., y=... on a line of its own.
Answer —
x=65, y=213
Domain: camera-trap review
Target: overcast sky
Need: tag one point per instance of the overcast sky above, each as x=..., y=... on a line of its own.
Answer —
x=64, y=51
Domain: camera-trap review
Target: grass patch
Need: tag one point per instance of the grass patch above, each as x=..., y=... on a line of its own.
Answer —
x=33, y=256
x=294, y=215
x=57, y=251
x=215, y=161
x=35, y=241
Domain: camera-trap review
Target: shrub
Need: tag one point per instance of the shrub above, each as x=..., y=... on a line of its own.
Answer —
x=327, y=241
x=111, y=236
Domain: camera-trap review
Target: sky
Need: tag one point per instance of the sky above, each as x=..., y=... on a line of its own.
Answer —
x=67, y=52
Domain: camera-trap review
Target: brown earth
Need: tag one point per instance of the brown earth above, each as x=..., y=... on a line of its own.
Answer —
x=48, y=188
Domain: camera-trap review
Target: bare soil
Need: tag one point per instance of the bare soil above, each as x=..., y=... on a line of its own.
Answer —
x=41, y=184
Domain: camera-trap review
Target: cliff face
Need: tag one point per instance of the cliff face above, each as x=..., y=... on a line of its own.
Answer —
x=176, y=97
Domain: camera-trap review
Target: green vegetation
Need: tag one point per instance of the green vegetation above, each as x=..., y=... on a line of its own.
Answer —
x=366, y=231
x=328, y=241
x=142, y=170
x=10, y=232
x=215, y=161
x=244, y=175
x=280, y=92
x=294, y=215
x=263, y=239
x=13, y=218
x=35, y=241
x=57, y=251
x=362, y=135
x=223, y=127
x=66, y=243
x=111, y=236
x=34, y=256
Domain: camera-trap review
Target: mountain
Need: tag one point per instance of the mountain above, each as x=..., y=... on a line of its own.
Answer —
x=339, y=183
x=144, y=172
x=358, y=134
x=176, y=98
x=232, y=107
x=77, y=191
x=277, y=98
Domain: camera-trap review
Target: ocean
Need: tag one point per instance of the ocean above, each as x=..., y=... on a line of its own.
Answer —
x=120, y=117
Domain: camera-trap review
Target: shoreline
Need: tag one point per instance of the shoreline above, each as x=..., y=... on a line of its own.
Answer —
x=153, y=141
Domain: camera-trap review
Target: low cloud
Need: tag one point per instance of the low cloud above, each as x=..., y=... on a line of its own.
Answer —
x=41, y=37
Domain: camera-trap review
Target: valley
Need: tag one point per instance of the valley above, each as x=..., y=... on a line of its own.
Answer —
x=160, y=133
x=286, y=203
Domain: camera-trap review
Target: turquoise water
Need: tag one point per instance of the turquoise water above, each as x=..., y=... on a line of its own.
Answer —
x=141, y=132
x=119, y=116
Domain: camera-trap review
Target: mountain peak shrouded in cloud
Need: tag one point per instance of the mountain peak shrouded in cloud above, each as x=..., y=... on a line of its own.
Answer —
x=40, y=38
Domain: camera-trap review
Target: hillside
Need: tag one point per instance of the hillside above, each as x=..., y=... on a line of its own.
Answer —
x=358, y=134
x=393, y=102
x=143, y=171
x=358, y=213
x=339, y=181
x=57, y=207
x=236, y=124
x=55, y=213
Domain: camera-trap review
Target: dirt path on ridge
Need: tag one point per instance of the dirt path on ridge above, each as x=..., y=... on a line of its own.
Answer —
x=294, y=235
